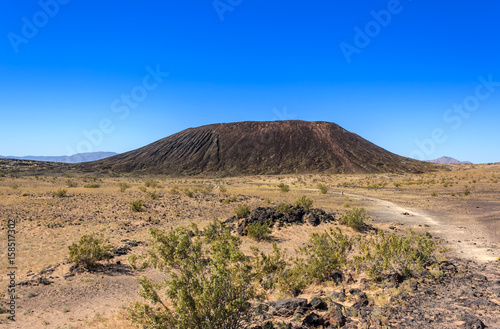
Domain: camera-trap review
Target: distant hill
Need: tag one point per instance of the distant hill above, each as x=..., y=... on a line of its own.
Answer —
x=448, y=160
x=75, y=158
x=253, y=148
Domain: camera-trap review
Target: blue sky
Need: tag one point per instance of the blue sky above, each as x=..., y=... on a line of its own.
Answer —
x=420, y=78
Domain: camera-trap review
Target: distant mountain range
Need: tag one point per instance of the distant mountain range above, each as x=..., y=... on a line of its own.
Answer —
x=75, y=158
x=448, y=160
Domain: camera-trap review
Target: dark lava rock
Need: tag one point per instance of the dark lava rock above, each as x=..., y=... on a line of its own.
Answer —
x=473, y=322
x=317, y=304
x=287, y=307
x=312, y=320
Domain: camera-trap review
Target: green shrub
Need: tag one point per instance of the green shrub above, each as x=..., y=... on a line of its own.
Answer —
x=222, y=190
x=89, y=251
x=304, y=202
x=258, y=231
x=175, y=190
x=355, y=218
x=269, y=269
x=14, y=186
x=188, y=193
x=92, y=186
x=151, y=183
x=136, y=206
x=242, y=211
x=70, y=183
x=2, y=174
x=123, y=187
x=322, y=189
x=59, y=193
x=153, y=195
x=433, y=193
x=284, y=208
x=325, y=253
x=229, y=199
x=466, y=190
x=388, y=254
x=284, y=188
x=208, y=282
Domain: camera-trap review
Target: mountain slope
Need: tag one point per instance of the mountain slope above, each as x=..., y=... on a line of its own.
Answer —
x=75, y=158
x=448, y=160
x=247, y=148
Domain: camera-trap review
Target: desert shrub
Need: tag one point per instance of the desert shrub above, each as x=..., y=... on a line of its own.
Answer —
x=14, y=186
x=222, y=189
x=396, y=184
x=208, y=285
x=142, y=189
x=433, y=193
x=304, y=202
x=325, y=253
x=229, y=199
x=283, y=187
x=89, y=251
x=346, y=205
x=269, y=268
x=175, y=190
x=153, y=195
x=123, y=187
x=258, y=231
x=59, y=193
x=151, y=183
x=355, y=218
x=70, y=183
x=322, y=189
x=242, y=211
x=2, y=174
x=284, y=208
x=388, y=254
x=466, y=190
x=92, y=186
x=188, y=193
x=136, y=206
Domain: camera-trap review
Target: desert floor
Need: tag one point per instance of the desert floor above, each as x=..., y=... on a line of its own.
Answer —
x=460, y=205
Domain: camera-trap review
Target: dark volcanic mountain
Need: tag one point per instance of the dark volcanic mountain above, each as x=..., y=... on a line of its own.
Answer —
x=247, y=148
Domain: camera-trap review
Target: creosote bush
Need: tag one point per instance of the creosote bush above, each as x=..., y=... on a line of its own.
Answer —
x=61, y=193
x=123, y=187
x=258, y=231
x=388, y=254
x=209, y=281
x=70, y=183
x=283, y=187
x=304, y=202
x=89, y=251
x=322, y=188
x=242, y=211
x=92, y=186
x=136, y=206
x=355, y=218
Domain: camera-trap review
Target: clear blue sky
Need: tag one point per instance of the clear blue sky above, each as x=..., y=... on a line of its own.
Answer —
x=65, y=66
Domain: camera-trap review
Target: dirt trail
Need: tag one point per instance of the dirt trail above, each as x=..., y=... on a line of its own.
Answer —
x=467, y=238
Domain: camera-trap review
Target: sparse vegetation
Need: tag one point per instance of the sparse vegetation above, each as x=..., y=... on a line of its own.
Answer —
x=259, y=231
x=175, y=190
x=433, y=193
x=322, y=188
x=14, y=186
x=283, y=187
x=124, y=187
x=92, y=186
x=355, y=218
x=61, y=193
x=208, y=285
x=151, y=183
x=136, y=206
x=153, y=195
x=304, y=202
x=89, y=250
x=242, y=211
x=70, y=183
x=284, y=208
x=229, y=199
x=466, y=191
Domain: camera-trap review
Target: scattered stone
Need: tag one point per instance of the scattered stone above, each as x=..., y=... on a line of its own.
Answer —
x=317, y=304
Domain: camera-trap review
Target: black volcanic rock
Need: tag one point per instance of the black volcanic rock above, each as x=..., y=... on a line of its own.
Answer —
x=248, y=148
